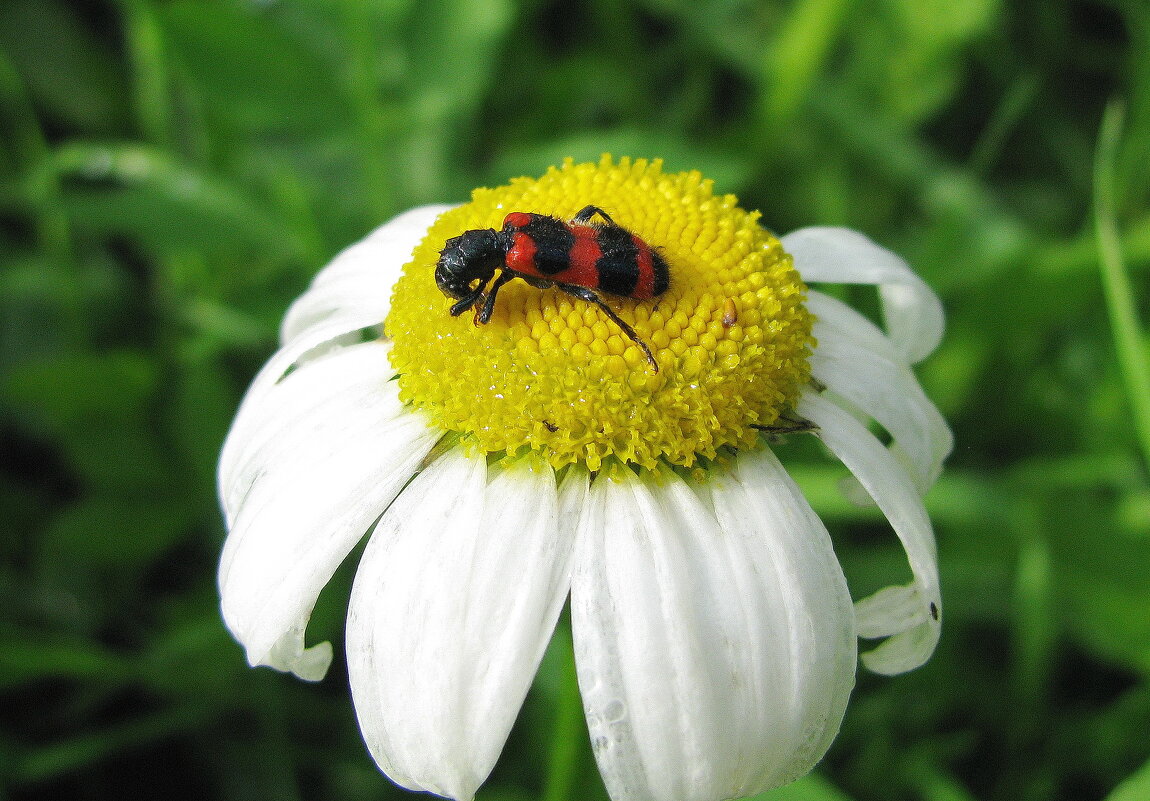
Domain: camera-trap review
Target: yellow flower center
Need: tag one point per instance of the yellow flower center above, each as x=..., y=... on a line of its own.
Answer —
x=553, y=374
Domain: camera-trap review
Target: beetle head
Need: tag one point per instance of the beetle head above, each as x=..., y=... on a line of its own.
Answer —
x=472, y=256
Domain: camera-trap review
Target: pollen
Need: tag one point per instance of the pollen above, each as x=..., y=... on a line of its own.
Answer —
x=552, y=374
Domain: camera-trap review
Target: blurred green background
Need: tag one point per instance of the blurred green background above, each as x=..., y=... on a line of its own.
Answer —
x=173, y=173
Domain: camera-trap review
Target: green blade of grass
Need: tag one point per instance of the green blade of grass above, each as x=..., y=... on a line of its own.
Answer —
x=802, y=46
x=145, y=49
x=28, y=147
x=1128, y=338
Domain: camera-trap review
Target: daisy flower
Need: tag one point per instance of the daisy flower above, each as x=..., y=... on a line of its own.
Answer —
x=499, y=470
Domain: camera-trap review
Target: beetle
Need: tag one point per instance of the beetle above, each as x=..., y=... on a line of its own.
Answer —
x=580, y=257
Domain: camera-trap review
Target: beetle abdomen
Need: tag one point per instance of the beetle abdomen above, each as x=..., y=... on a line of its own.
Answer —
x=605, y=257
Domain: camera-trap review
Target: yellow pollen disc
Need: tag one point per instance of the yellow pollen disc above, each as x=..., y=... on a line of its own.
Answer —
x=551, y=373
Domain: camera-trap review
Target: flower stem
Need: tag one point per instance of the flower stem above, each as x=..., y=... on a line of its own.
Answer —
x=1129, y=341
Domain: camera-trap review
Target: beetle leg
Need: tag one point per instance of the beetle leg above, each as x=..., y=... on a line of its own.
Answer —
x=589, y=295
x=786, y=425
x=484, y=314
x=585, y=215
x=468, y=301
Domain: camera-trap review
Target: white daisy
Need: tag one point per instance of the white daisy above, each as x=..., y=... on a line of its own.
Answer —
x=514, y=465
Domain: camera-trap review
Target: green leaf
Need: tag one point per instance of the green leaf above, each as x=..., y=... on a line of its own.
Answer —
x=27, y=656
x=79, y=389
x=912, y=55
x=1135, y=787
x=799, y=52
x=166, y=206
x=84, y=750
x=96, y=409
x=451, y=66
x=1104, y=579
x=104, y=544
x=253, y=70
x=71, y=72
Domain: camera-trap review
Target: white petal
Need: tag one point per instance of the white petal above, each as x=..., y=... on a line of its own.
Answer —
x=452, y=608
x=766, y=506
x=715, y=656
x=859, y=364
x=891, y=610
x=305, y=485
x=913, y=313
x=263, y=402
x=357, y=283
x=888, y=483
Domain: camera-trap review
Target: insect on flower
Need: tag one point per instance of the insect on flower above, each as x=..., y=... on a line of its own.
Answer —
x=580, y=258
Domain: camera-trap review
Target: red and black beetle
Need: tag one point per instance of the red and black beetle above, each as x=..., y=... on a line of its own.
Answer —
x=580, y=257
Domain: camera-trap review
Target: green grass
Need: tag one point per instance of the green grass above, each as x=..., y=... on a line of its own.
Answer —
x=173, y=173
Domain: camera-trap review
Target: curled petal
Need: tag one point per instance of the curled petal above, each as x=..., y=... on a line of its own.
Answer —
x=859, y=364
x=333, y=449
x=912, y=634
x=452, y=608
x=913, y=313
x=260, y=414
x=891, y=610
x=357, y=283
x=715, y=649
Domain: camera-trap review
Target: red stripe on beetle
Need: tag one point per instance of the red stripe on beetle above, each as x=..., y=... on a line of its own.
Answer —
x=645, y=288
x=584, y=255
x=521, y=256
